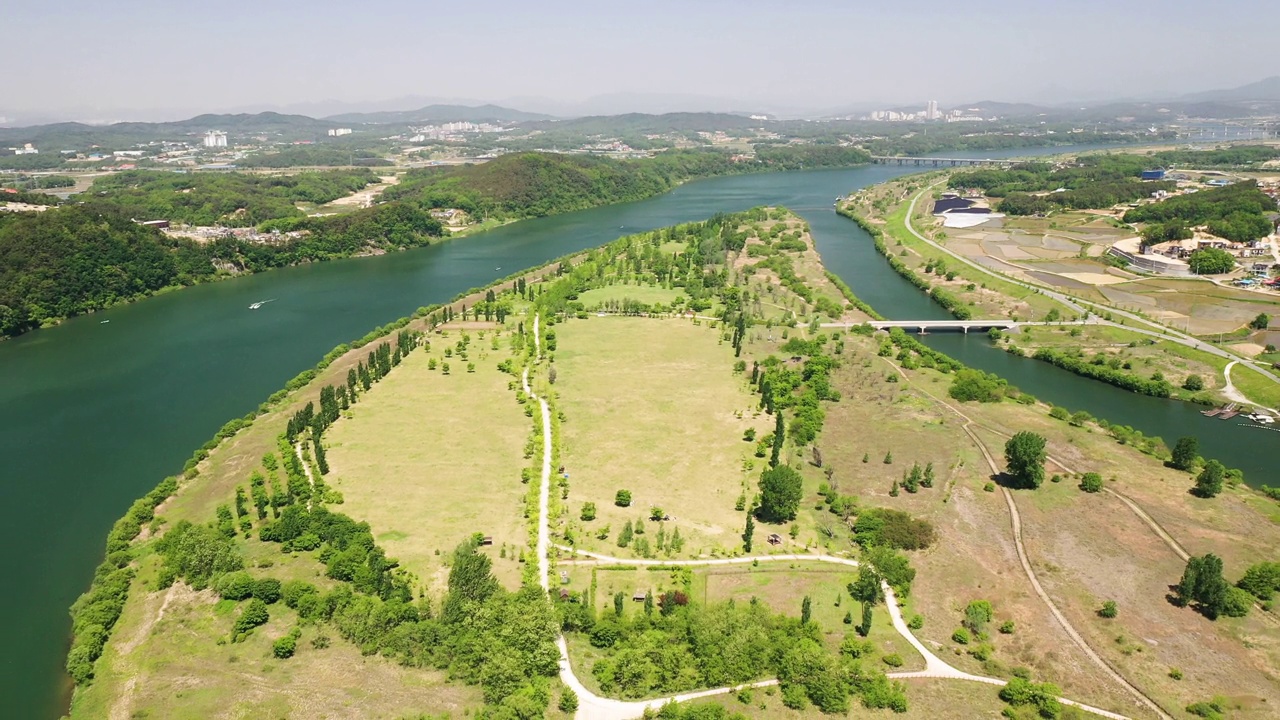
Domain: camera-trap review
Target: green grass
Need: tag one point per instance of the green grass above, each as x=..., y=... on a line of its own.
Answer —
x=652, y=406
x=1260, y=389
x=428, y=459
x=640, y=293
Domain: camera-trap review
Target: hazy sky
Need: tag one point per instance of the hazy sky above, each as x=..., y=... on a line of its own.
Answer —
x=131, y=56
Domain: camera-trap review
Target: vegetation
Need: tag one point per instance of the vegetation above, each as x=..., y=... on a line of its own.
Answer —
x=1093, y=181
x=780, y=493
x=229, y=199
x=1024, y=454
x=1203, y=586
x=886, y=527
x=1211, y=261
x=1209, y=481
x=77, y=259
x=1236, y=212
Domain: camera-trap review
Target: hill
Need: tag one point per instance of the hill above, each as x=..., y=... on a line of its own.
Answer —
x=1265, y=89
x=121, y=135
x=441, y=114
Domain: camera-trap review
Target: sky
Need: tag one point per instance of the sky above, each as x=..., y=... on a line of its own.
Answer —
x=154, y=59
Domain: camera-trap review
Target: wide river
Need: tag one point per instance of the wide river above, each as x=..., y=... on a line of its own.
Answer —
x=94, y=414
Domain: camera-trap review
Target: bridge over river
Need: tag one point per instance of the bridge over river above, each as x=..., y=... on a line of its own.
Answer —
x=935, y=161
x=925, y=326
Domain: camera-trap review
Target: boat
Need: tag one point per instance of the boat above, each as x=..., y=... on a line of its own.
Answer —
x=260, y=303
x=104, y=322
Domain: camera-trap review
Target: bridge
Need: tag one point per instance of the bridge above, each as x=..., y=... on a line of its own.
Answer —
x=926, y=326
x=935, y=161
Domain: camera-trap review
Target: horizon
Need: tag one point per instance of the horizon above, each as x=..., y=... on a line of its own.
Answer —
x=568, y=59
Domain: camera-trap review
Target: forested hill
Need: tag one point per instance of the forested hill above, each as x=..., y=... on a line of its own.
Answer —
x=78, y=258
x=522, y=185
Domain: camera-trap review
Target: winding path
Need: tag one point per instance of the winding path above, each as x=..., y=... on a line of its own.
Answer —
x=595, y=707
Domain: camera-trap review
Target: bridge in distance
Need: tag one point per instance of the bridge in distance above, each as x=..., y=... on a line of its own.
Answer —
x=935, y=161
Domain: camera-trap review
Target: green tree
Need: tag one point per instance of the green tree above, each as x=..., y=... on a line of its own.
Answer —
x=622, y=498
x=1203, y=584
x=588, y=511
x=1185, y=453
x=618, y=602
x=1211, y=261
x=1193, y=383
x=1261, y=322
x=864, y=628
x=977, y=614
x=1209, y=481
x=1261, y=580
x=1024, y=455
x=806, y=610
x=1108, y=610
x=254, y=614
x=748, y=534
x=568, y=701
x=781, y=489
x=1091, y=482
x=778, y=438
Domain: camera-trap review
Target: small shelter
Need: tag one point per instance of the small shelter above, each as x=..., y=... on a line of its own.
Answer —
x=639, y=596
x=775, y=539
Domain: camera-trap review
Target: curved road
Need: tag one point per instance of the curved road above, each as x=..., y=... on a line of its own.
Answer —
x=595, y=707
x=1078, y=304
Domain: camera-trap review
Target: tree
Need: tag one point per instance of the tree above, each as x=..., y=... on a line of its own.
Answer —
x=1193, y=383
x=748, y=534
x=778, y=438
x=568, y=701
x=806, y=610
x=1025, y=456
x=1209, y=481
x=1108, y=609
x=255, y=614
x=618, y=600
x=588, y=511
x=1261, y=580
x=656, y=513
x=1185, y=453
x=1203, y=584
x=864, y=628
x=1211, y=261
x=1091, y=482
x=622, y=498
x=1261, y=322
x=781, y=488
x=977, y=614
x=927, y=480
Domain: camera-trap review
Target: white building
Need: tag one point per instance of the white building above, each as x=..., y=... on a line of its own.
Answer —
x=215, y=139
x=932, y=112
x=338, y=132
x=25, y=150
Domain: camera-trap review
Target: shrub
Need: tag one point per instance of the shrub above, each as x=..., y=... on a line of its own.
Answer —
x=1091, y=482
x=286, y=646
x=588, y=511
x=916, y=622
x=622, y=498
x=1006, y=627
x=1108, y=609
x=892, y=660
x=961, y=635
x=254, y=614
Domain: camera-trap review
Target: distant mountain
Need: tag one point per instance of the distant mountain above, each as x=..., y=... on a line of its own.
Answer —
x=440, y=114
x=646, y=103
x=1263, y=90
x=680, y=122
x=117, y=136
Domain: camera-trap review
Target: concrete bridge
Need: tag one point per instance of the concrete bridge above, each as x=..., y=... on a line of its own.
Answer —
x=926, y=326
x=934, y=161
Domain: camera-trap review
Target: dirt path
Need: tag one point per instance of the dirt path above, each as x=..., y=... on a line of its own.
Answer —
x=306, y=468
x=595, y=707
x=1025, y=561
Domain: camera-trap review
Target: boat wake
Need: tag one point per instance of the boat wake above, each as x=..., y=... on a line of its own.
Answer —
x=260, y=303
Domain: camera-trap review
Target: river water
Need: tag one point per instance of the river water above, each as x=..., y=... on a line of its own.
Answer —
x=93, y=413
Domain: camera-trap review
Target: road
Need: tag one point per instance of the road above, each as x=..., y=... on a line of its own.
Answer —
x=595, y=707
x=1082, y=307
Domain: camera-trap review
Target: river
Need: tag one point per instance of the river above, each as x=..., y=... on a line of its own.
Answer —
x=95, y=413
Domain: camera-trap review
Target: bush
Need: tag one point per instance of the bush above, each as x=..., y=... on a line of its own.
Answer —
x=1193, y=383
x=916, y=622
x=235, y=586
x=254, y=614
x=892, y=660
x=287, y=645
x=267, y=590
x=1108, y=609
x=1006, y=627
x=961, y=635
x=622, y=498
x=1091, y=482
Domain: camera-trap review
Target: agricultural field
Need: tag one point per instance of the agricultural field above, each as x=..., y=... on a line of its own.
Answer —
x=1198, y=307
x=424, y=478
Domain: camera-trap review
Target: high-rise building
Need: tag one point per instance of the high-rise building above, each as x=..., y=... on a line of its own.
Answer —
x=932, y=113
x=215, y=139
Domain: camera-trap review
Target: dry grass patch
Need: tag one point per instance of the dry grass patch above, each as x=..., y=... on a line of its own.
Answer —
x=654, y=407
x=428, y=459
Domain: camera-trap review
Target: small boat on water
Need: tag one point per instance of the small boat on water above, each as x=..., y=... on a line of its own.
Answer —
x=260, y=303
x=104, y=322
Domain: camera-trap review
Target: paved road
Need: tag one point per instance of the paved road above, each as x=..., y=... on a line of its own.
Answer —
x=1081, y=306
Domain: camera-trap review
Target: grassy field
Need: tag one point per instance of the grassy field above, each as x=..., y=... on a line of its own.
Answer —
x=1256, y=387
x=927, y=700
x=640, y=293
x=1195, y=306
x=424, y=473
x=169, y=659
x=654, y=407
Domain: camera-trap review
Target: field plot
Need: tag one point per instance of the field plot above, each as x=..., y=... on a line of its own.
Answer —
x=649, y=295
x=654, y=407
x=432, y=459
x=1196, y=306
